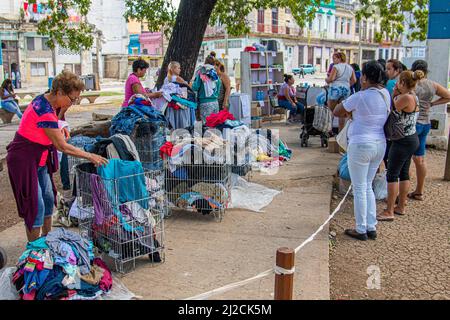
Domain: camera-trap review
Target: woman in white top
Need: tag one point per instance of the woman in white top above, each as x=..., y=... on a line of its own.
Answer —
x=369, y=110
x=341, y=78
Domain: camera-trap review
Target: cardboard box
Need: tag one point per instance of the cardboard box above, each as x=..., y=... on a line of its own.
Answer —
x=256, y=124
x=256, y=111
x=333, y=146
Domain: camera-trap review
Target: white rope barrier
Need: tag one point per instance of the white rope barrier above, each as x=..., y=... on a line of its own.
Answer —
x=282, y=271
x=276, y=269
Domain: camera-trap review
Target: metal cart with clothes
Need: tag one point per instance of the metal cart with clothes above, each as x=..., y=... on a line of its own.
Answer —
x=121, y=208
x=198, y=179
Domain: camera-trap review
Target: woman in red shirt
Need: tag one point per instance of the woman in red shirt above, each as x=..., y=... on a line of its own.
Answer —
x=32, y=155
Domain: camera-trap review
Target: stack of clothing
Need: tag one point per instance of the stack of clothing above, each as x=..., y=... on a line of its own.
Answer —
x=178, y=103
x=126, y=120
x=61, y=266
x=221, y=120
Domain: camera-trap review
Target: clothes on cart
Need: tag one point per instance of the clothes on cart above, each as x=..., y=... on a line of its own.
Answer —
x=125, y=121
x=182, y=113
x=50, y=269
x=169, y=89
x=166, y=150
x=130, y=181
x=216, y=119
x=198, y=201
x=118, y=146
x=123, y=181
x=82, y=142
x=140, y=99
x=230, y=124
x=216, y=191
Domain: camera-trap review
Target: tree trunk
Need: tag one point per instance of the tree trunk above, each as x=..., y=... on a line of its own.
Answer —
x=54, y=58
x=187, y=36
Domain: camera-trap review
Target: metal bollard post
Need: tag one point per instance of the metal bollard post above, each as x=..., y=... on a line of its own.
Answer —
x=284, y=283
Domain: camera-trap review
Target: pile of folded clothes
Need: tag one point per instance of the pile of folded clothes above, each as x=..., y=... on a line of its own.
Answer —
x=61, y=266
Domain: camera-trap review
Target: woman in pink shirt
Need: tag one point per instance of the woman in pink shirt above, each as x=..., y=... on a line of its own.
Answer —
x=32, y=155
x=133, y=85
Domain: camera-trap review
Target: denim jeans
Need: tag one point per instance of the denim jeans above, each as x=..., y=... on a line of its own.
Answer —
x=13, y=107
x=363, y=162
x=299, y=108
x=46, y=198
x=64, y=172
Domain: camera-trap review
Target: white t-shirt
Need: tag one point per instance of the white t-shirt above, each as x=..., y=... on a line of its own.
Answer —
x=370, y=111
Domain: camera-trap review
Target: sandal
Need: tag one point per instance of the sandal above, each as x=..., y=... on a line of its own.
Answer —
x=415, y=196
x=397, y=212
x=384, y=217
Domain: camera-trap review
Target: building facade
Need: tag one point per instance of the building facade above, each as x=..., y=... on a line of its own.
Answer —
x=334, y=28
x=24, y=49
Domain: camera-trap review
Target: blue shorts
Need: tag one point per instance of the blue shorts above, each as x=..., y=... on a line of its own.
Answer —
x=338, y=92
x=422, y=132
x=46, y=199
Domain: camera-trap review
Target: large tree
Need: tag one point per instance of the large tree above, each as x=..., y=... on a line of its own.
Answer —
x=188, y=24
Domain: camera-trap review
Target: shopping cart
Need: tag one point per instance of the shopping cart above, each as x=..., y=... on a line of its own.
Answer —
x=204, y=188
x=124, y=217
x=148, y=138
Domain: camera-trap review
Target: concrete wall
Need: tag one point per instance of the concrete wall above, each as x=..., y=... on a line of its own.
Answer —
x=107, y=15
x=116, y=67
x=10, y=9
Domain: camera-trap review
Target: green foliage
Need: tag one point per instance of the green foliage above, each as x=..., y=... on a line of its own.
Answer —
x=395, y=16
x=156, y=13
x=61, y=31
x=233, y=15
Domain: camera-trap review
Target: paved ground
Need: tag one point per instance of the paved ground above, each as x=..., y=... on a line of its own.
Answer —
x=412, y=253
x=203, y=254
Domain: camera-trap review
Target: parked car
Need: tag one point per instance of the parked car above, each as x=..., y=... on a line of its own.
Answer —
x=307, y=69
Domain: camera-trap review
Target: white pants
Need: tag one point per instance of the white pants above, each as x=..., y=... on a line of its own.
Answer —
x=363, y=162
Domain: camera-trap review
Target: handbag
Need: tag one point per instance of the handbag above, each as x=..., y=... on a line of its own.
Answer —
x=342, y=137
x=394, y=128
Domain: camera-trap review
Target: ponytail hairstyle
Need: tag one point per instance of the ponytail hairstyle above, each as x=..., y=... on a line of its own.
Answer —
x=287, y=77
x=170, y=67
x=341, y=56
x=421, y=65
x=410, y=78
x=210, y=60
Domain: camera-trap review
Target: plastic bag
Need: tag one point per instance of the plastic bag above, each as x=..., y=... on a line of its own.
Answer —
x=7, y=289
x=322, y=119
x=380, y=186
x=118, y=292
x=250, y=196
x=344, y=172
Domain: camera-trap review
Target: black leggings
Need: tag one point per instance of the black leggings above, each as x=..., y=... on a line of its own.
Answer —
x=399, y=159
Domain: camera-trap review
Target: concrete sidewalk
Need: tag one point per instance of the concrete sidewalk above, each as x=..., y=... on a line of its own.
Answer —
x=202, y=254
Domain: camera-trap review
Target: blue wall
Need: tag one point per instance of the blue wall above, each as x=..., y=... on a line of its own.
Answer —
x=134, y=43
x=439, y=19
